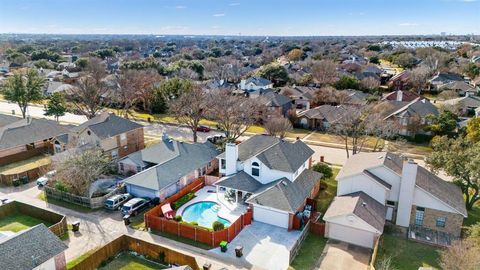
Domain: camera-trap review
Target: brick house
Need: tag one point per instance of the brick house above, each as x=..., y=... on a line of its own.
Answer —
x=381, y=187
x=113, y=134
x=163, y=169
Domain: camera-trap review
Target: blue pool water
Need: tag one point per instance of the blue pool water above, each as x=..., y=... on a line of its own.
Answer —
x=204, y=213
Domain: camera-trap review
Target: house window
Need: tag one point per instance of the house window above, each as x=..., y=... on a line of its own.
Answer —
x=441, y=222
x=114, y=154
x=123, y=136
x=391, y=203
x=419, y=216
x=139, y=168
x=121, y=167
x=222, y=164
x=88, y=132
x=255, y=169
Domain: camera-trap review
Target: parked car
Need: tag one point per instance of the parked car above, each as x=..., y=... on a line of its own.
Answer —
x=215, y=138
x=116, y=201
x=42, y=181
x=5, y=201
x=203, y=129
x=135, y=205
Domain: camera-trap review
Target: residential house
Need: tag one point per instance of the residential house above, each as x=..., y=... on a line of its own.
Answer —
x=462, y=88
x=255, y=83
x=24, y=138
x=354, y=98
x=411, y=116
x=302, y=96
x=399, y=81
x=375, y=188
x=322, y=117
x=443, y=79
x=57, y=87
x=276, y=105
x=36, y=248
x=464, y=105
x=271, y=175
x=113, y=134
x=163, y=169
x=402, y=96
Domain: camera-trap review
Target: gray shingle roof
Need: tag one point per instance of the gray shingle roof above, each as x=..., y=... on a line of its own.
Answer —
x=253, y=146
x=327, y=112
x=420, y=107
x=285, y=156
x=240, y=181
x=30, y=248
x=273, y=99
x=464, y=102
x=26, y=131
x=258, y=81
x=286, y=195
x=106, y=125
x=361, y=205
x=190, y=157
x=7, y=119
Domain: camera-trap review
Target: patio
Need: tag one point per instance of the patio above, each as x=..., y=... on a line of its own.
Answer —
x=228, y=209
x=428, y=236
x=261, y=239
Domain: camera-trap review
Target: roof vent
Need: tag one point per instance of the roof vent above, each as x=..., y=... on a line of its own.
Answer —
x=364, y=204
x=284, y=183
x=380, y=157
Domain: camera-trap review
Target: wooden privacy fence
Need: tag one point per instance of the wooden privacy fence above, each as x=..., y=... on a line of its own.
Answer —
x=127, y=243
x=196, y=233
x=298, y=244
x=317, y=228
x=92, y=203
x=59, y=222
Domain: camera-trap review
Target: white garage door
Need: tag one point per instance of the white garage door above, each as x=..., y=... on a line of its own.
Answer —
x=350, y=235
x=137, y=191
x=271, y=217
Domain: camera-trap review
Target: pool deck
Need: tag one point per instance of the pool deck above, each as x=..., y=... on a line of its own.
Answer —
x=228, y=210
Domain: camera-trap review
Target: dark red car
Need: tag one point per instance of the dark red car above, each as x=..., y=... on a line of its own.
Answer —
x=203, y=129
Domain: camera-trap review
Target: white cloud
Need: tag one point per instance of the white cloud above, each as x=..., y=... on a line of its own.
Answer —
x=180, y=7
x=408, y=24
x=219, y=15
x=234, y=4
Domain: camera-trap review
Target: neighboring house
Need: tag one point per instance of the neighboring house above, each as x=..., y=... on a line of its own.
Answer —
x=322, y=117
x=354, y=97
x=374, y=188
x=443, y=79
x=36, y=248
x=464, y=105
x=276, y=105
x=113, y=134
x=476, y=59
x=255, y=83
x=302, y=96
x=25, y=138
x=57, y=87
x=221, y=84
x=462, y=88
x=163, y=169
x=271, y=175
x=399, y=95
x=399, y=81
x=406, y=115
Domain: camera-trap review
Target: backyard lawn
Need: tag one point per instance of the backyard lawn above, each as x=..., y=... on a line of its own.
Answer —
x=309, y=253
x=19, y=222
x=407, y=254
x=25, y=165
x=473, y=216
x=127, y=261
x=325, y=197
x=331, y=138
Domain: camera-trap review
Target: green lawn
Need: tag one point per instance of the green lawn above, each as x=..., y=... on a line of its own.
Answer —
x=127, y=261
x=80, y=258
x=407, y=254
x=298, y=132
x=65, y=204
x=325, y=197
x=473, y=216
x=309, y=253
x=19, y=222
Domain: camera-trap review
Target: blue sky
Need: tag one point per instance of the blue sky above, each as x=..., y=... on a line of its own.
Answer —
x=248, y=17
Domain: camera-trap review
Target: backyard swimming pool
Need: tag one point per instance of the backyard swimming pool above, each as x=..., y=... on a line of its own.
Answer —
x=204, y=213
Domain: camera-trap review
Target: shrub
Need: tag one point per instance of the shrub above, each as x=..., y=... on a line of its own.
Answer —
x=218, y=226
x=194, y=223
x=177, y=218
x=59, y=185
x=323, y=168
x=183, y=200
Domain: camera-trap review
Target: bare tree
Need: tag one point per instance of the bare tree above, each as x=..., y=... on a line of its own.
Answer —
x=461, y=255
x=369, y=83
x=351, y=127
x=96, y=69
x=190, y=107
x=380, y=128
x=419, y=76
x=77, y=172
x=414, y=125
x=278, y=126
x=324, y=72
x=87, y=96
x=233, y=114
x=330, y=95
x=447, y=94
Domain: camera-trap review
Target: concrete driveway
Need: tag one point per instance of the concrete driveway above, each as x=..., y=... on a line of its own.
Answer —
x=342, y=256
x=264, y=246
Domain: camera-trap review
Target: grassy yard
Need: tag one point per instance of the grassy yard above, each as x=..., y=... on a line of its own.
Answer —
x=25, y=165
x=182, y=240
x=65, y=204
x=19, y=222
x=127, y=261
x=417, y=149
x=80, y=258
x=325, y=197
x=473, y=216
x=331, y=138
x=298, y=132
x=309, y=253
x=406, y=254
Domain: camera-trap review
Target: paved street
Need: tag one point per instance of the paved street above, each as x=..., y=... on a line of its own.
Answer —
x=37, y=111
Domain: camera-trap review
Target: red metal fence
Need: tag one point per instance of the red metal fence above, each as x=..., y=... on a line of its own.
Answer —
x=154, y=220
